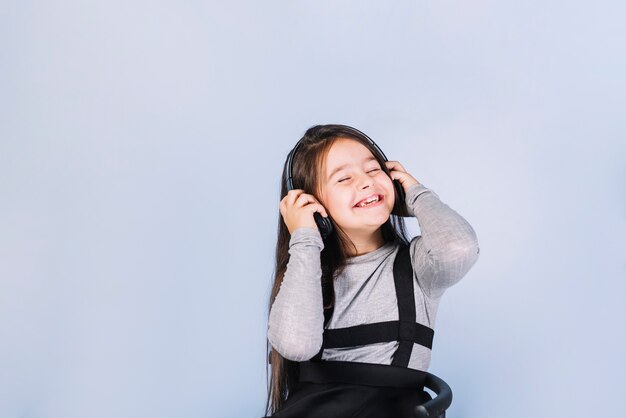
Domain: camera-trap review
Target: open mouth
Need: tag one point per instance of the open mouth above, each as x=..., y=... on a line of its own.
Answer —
x=371, y=202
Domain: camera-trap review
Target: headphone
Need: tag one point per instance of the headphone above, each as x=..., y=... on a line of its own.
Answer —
x=325, y=225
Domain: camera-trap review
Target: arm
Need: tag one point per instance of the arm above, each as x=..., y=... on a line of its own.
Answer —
x=448, y=246
x=296, y=320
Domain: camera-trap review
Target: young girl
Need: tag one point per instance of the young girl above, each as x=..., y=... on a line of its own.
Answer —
x=352, y=311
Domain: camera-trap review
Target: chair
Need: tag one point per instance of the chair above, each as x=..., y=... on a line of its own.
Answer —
x=436, y=407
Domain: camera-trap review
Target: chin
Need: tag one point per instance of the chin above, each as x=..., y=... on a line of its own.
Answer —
x=380, y=220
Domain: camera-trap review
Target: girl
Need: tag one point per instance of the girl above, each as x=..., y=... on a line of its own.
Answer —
x=352, y=311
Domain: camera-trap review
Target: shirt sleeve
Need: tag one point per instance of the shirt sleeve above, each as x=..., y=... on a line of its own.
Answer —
x=448, y=246
x=296, y=320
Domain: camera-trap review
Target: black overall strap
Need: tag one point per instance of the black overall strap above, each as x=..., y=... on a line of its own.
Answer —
x=378, y=332
x=328, y=313
x=405, y=330
x=357, y=373
x=403, y=279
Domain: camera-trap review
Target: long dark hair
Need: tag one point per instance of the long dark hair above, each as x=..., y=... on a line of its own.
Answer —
x=307, y=168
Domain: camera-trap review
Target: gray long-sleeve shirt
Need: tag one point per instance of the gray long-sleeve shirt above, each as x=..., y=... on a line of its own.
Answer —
x=365, y=291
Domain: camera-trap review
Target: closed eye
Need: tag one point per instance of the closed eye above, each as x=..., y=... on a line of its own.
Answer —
x=348, y=178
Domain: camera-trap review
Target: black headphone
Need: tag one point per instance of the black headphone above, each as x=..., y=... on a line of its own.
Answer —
x=325, y=225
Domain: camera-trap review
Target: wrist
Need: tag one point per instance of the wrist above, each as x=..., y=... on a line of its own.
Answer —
x=411, y=182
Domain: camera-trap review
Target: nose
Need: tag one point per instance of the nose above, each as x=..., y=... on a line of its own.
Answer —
x=365, y=181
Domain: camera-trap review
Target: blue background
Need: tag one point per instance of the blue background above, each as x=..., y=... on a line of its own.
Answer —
x=141, y=147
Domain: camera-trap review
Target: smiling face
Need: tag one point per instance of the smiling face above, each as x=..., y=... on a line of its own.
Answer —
x=351, y=175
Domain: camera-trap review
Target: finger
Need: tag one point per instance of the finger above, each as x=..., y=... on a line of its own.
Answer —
x=395, y=166
x=292, y=195
x=399, y=175
x=319, y=208
x=303, y=199
x=283, y=201
x=310, y=201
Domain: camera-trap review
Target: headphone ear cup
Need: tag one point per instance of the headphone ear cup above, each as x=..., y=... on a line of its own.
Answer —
x=399, y=207
x=325, y=225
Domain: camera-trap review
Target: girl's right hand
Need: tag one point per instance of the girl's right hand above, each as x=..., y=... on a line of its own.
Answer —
x=297, y=209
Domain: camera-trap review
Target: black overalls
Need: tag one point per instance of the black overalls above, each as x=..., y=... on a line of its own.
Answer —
x=348, y=389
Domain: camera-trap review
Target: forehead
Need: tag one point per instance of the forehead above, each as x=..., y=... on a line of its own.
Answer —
x=346, y=151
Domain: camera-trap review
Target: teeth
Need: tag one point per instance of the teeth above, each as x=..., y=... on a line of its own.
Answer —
x=369, y=201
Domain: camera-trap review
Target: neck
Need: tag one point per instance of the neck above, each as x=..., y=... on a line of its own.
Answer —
x=365, y=242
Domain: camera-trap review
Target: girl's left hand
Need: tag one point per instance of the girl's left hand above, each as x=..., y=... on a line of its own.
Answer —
x=398, y=172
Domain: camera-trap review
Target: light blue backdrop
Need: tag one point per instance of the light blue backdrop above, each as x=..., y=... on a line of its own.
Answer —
x=141, y=150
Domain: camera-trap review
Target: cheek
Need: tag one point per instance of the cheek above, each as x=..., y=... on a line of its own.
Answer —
x=337, y=201
x=329, y=199
x=391, y=191
x=388, y=183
